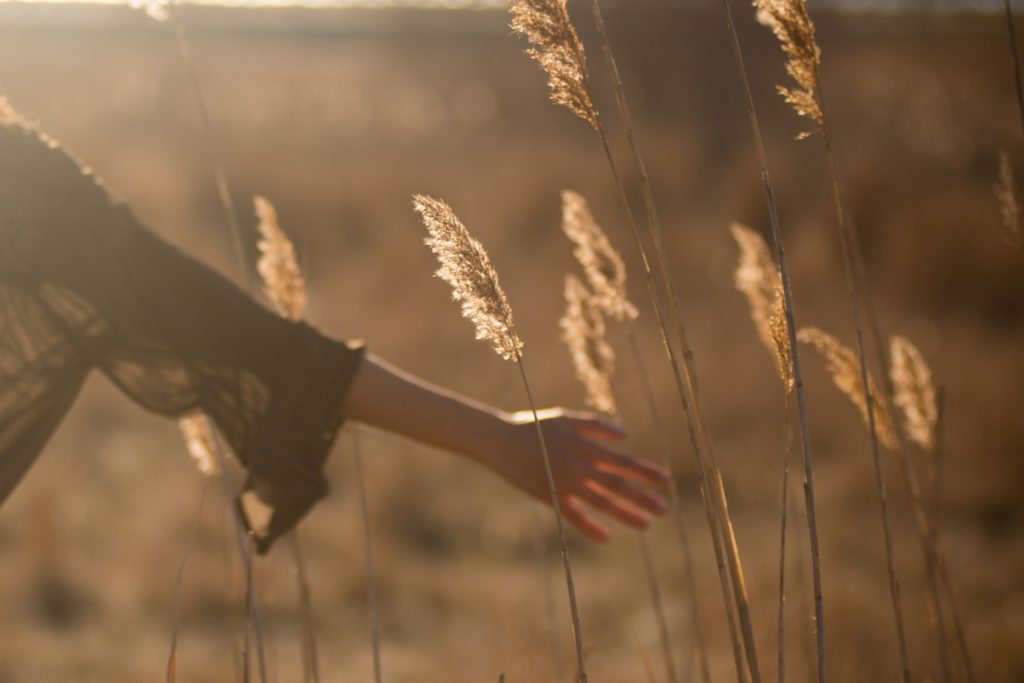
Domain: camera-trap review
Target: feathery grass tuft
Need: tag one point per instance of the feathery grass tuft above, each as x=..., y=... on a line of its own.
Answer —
x=602, y=265
x=474, y=282
x=914, y=393
x=844, y=367
x=1006, y=193
x=758, y=278
x=278, y=268
x=201, y=443
x=466, y=267
x=583, y=332
x=558, y=50
x=792, y=25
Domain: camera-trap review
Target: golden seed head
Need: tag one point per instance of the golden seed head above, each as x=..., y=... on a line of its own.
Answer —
x=201, y=443
x=844, y=366
x=602, y=265
x=792, y=25
x=914, y=392
x=593, y=358
x=558, y=50
x=278, y=267
x=474, y=282
x=757, y=277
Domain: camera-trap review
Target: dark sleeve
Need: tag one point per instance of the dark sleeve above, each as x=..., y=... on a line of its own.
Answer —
x=83, y=285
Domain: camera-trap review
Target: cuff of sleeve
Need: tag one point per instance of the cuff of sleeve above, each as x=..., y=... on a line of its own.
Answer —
x=286, y=469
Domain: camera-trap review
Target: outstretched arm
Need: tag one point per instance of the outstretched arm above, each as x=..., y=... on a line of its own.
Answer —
x=588, y=474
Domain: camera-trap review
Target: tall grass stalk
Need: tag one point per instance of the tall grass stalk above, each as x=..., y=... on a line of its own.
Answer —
x=547, y=26
x=371, y=583
x=465, y=266
x=794, y=28
x=791, y=328
x=715, y=484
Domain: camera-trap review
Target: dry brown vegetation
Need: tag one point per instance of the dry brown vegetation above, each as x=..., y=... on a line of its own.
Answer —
x=339, y=119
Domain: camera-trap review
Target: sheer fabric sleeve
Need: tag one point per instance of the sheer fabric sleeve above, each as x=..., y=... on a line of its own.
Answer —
x=83, y=285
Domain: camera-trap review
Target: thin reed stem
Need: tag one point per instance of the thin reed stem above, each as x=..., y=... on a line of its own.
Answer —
x=213, y=146
x=1011, y=33
x=371, y=583
x=782, y=543
x=675, y=501
x=570, y=585
x=932, y=558
x=791, y=328
x=172, y=658
x=554, y=640
x=937, y=461
x=245, y=550
x=231, y=217
x=310, y=654
x=705, y=452
x=845, y=242
x=659, y=608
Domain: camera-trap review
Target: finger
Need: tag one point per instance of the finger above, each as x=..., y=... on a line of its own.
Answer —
x=616, y=507
x=591, y=426
x=629, y=466
x=624, y=489
x=572, y=510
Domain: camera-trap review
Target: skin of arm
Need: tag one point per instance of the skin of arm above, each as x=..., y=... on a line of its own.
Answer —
x=588, y=474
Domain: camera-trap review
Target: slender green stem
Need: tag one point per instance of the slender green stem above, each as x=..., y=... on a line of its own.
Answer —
x=569, y=583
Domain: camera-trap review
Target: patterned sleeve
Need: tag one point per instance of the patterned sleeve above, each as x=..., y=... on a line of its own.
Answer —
x=83, y=285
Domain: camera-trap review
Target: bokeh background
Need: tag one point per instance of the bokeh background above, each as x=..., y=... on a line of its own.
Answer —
x=338, y=116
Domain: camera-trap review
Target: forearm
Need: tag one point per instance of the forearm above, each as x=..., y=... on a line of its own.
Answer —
x=383, y=396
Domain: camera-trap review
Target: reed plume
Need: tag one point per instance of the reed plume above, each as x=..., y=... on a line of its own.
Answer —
x=844, y=367
x=277, y=266
x=593, y=358
x=605, y=272
x=792, y=25
x=558, y=50
x=474, y=282
x=757, y=277
x=914, y=392
x=466, y=267
x=200, y=441
x=602, y=265
x=1006, y=193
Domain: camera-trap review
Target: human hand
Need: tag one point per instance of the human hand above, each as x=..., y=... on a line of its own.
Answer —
x=588, y=474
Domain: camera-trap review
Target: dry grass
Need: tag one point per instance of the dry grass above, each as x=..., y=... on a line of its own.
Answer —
x=453, y=578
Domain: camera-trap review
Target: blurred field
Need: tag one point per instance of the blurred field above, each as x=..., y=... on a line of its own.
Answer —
x=338, y=117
